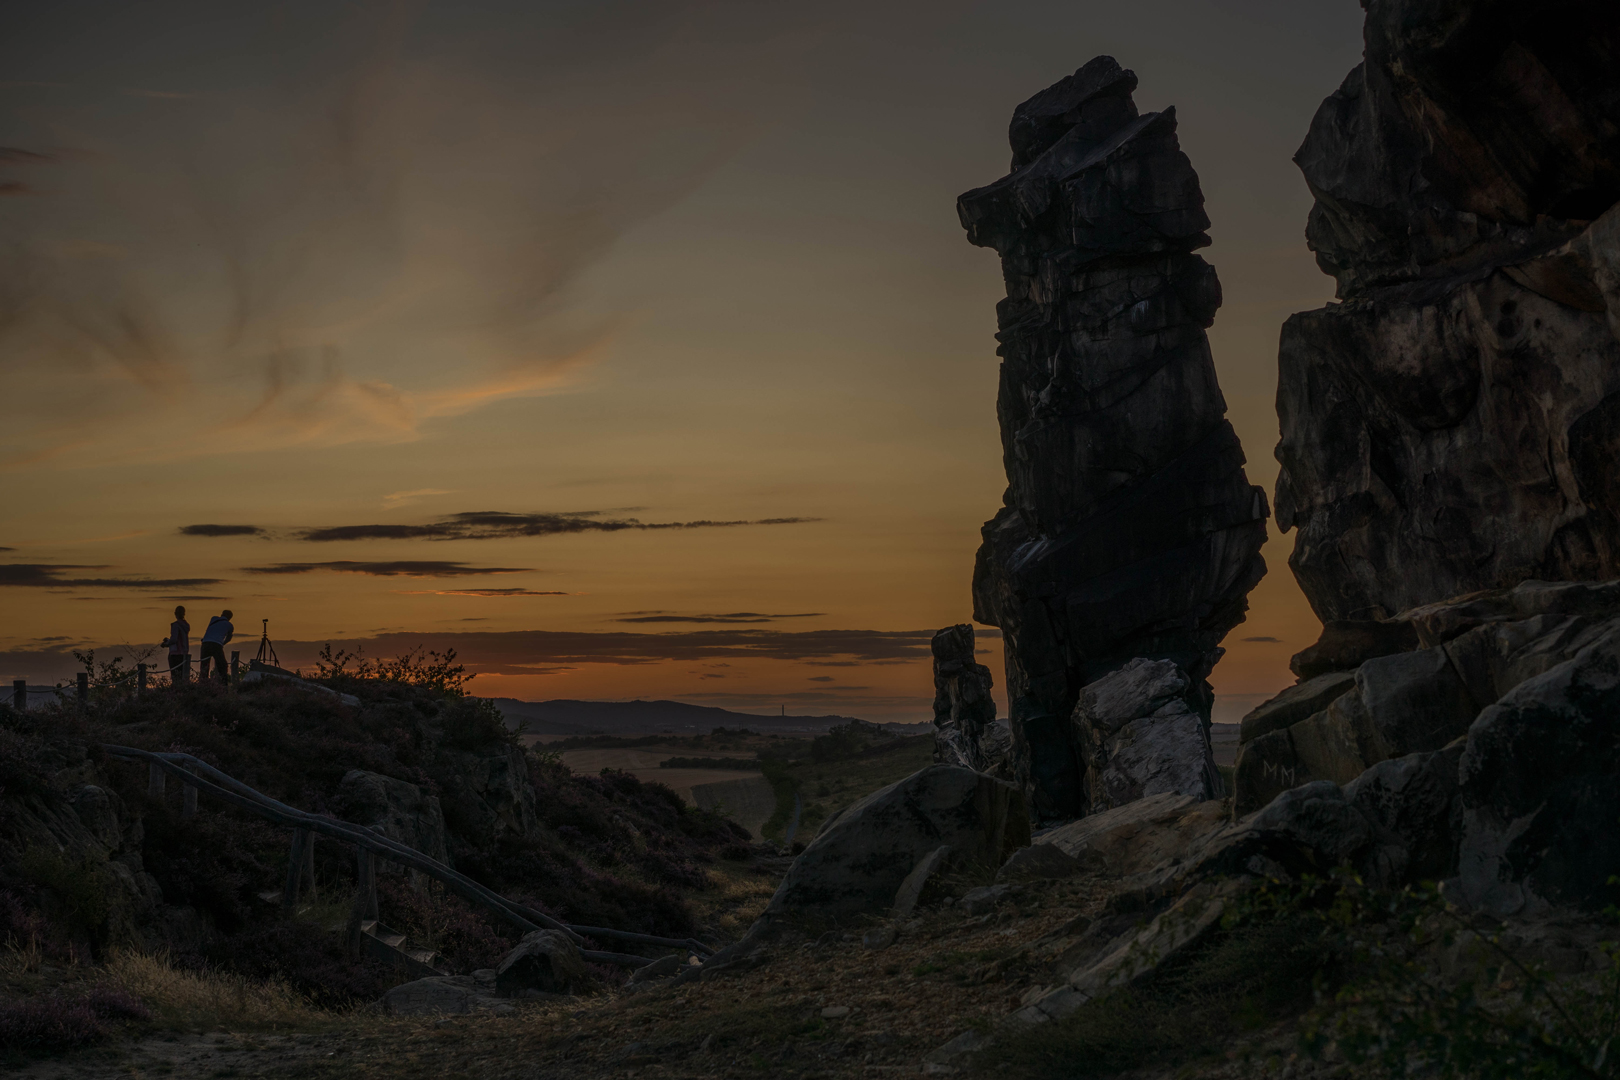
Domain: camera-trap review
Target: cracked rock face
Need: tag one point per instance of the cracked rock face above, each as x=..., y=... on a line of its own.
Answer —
x=1452, y=424
x=1129, y=528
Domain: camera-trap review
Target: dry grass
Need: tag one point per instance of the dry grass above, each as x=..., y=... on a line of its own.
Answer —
x=209, y=999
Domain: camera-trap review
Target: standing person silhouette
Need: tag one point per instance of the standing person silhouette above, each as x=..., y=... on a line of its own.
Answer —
x=179, y=645
x=219, y=632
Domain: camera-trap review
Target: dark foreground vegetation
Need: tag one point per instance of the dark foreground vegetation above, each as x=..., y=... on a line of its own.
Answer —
x=1352, y=981
x=606, y=850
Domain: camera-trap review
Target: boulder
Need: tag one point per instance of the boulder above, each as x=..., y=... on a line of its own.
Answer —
x=1039, y=861
x=910, y=890
x=857, y=863
x=1539, y=782
x=1298, y=702
x=544, y=962
x=489, y=795
x=1413, y=805
x=1139, y=736
x=435, y=996
x=1345, y=645
x=1482, y=645
x=665, y=967
x=1128, y=528
x=1401, y=704
x=986, y=898
x=1138, y=836
x=1451, y=424
x=399, y=810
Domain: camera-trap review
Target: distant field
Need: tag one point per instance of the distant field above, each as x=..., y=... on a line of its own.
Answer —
x=642, y=762
x=828, y=787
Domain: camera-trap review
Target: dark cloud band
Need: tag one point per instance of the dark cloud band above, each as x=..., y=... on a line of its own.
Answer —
x=57, y=576
x=497, y=524
x=423, y=568
x=221, y=530
x=729, y=617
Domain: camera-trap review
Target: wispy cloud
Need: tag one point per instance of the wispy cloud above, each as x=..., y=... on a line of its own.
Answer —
x=499, y=525
x=423, y=568
x=60, y=576
x=393, y=235
x=405, y=498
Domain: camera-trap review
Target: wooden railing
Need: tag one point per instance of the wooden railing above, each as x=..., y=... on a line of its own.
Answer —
x=199, y=776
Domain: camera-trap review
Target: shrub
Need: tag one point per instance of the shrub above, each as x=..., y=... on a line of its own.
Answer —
x=84, y=886
x=61, y=1022
x=309, y=959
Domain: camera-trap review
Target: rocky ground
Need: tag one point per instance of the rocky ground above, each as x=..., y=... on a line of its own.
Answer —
x=833, y=1006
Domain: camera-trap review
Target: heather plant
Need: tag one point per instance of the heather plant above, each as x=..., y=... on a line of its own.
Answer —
x=419, y=667
x=63, y=1021
x=1487, y=1014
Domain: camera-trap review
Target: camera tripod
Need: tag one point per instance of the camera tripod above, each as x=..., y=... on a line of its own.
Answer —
x=267, y=651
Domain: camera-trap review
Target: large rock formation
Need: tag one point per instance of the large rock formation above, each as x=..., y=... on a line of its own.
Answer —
x=1452, y=424
x=1129, y=529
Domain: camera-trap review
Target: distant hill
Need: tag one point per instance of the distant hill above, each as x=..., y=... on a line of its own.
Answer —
x=563, y=717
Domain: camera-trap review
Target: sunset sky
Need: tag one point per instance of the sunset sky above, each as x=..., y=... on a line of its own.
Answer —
x=631, y=349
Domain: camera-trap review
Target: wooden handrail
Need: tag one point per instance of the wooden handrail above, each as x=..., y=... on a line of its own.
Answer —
x=231, y=790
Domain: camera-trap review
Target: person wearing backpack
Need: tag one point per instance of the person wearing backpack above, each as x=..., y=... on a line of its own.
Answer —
x=219, y=633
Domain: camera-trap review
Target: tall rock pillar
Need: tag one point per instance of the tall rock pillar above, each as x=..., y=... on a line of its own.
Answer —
x=1129, y=528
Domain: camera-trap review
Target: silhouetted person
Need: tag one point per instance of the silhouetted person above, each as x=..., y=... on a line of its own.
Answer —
x=179, y=645
x=214, y=639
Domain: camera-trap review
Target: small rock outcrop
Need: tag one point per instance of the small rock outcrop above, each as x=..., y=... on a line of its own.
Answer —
x=1129, y=528
x=1489, y=755
x=544, y=962
x=861, y=857
x=1466, y=654
x=399, y=810
x=1452, y=424
x=966, y=731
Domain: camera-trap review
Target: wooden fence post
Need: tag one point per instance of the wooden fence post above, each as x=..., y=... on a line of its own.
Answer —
x=19, y=694
x=188, y=800
x=84, y=688
x=295, y=869
x=155, y=780
x=309, y=866
x=365, y=900
x=140, y=679
x=236, y=665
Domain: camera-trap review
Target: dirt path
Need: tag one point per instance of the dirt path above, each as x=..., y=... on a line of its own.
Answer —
x=947, y=972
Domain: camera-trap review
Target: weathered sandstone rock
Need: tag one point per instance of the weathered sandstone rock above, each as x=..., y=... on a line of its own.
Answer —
x=1138, y=735
x=1138, y=836
x=964, y=710
x=399, y=810
x=858, y=861
x=1483, y=645
x=1129, y=528
x=1453, y=423
x=544, y=962
x=1540, y=785
x=1298, y=702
